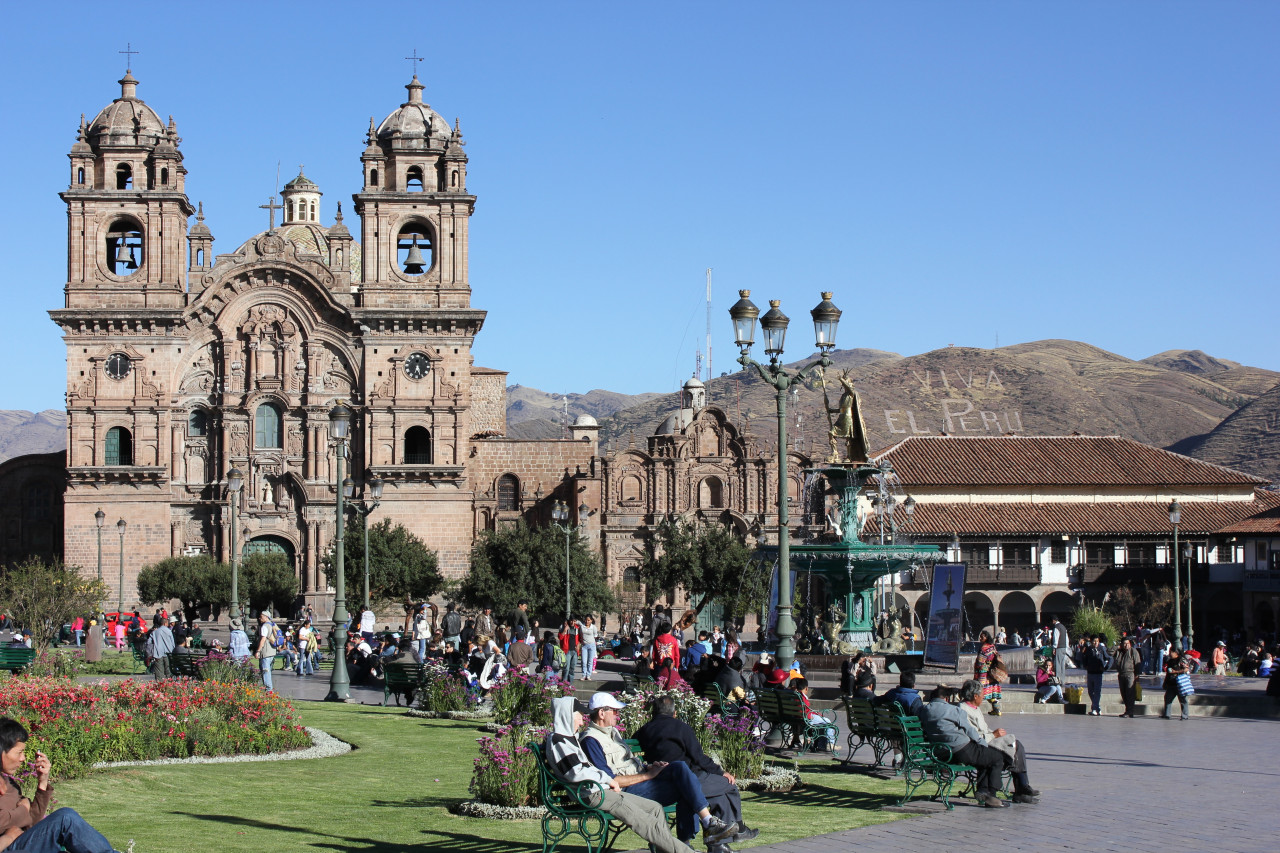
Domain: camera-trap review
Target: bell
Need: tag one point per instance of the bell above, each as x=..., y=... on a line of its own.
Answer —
x=133, y=260
x=413, y=262
x=121, y=256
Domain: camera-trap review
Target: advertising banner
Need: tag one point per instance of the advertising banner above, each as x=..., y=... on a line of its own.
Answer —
x=946, y=598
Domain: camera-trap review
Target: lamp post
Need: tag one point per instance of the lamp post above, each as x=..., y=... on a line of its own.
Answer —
x=774, y=323
x=1175, y=518
x=99, y=517
x=121, y=525
x=560, y=521
x=375, y=490
x=235, y=481
x=1189, y=553
x=339, y=682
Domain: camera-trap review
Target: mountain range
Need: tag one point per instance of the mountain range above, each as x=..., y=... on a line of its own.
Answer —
x=1186, y=400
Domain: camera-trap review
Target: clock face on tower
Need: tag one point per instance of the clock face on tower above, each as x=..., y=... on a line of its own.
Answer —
x=118, y=365
x=417, y=366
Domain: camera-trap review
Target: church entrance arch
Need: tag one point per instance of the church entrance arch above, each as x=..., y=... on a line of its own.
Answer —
x=270, y=545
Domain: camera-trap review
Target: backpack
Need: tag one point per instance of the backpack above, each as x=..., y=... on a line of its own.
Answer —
x=558, y=658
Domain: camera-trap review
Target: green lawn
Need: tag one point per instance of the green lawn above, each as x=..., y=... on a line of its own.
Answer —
x=389, y=795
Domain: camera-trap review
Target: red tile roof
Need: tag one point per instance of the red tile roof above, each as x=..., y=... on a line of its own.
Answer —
x=1067, y=460
x=1086, y=519
x=1266, y=522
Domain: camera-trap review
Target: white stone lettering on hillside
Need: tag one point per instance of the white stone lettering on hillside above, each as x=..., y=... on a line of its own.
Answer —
x=959, y=417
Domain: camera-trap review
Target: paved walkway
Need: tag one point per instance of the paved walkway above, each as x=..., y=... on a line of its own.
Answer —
x=1107, y=784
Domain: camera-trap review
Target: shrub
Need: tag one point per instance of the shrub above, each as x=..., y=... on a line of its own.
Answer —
x=1089, y=620
x=78, y=725
x=521, y=698
x=506, y=771
x=441, y=691
x=734, y=741
x=224, y=669
x=51, y=664
x=690, y=707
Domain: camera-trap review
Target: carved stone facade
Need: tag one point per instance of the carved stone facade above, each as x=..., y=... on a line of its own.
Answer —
x=182, y=364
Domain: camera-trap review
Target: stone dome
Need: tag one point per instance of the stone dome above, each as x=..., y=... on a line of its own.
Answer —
x=126, y=120
x=302, y=184
x=412, y=120
x=585, y=421
x=693, y=382
x=675, y=422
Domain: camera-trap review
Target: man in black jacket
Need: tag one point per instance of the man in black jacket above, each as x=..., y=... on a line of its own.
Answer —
x=1095, y=660
x=665, y=738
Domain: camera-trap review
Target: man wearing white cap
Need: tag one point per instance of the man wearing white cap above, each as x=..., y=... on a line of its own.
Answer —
x=666, y=783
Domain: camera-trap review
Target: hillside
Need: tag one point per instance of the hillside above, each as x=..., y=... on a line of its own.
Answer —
x=1248, y=439
x=23, y=432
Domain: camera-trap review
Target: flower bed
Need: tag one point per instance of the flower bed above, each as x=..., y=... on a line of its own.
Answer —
x=519, y=697
x=442, y=692
x=506, y=771
x=79, y=725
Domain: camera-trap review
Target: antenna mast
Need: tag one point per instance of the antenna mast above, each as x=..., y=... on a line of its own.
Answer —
x=709, y=373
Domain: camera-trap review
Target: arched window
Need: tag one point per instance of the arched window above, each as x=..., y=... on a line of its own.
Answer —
x=417, y=446
x=80, y=175
x=267, y=430
x=453, y=179
x=292, y=212
x=413, y=179
x=632, y=489
x=373, y=177
x=630, y=579
x=199, y=257
x=413, y=249
x=124, y=247
x=124, y=176
x=119, y=447
x=508, y=493
x=313, y=211
x=197, y=423
x=164, y=177
x=711, y=493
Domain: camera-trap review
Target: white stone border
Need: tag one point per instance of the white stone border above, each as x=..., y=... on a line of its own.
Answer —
x=449, y=715
x=323, y=745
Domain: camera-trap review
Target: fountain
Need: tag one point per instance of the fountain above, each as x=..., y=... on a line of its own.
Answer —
x=847, y=564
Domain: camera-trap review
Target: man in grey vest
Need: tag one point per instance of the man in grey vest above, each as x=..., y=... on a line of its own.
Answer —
x=1061, y=647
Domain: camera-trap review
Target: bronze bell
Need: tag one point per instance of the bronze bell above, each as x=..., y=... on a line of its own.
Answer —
x=133, y=260
x=414, y=261
x=121, y=256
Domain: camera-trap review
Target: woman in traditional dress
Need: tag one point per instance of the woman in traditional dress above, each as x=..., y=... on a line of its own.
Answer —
x=982, y=665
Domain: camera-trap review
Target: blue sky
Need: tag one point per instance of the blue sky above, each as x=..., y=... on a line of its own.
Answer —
x=958, y=173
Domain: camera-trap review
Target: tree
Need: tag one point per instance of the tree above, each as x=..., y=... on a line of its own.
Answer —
x=42, y=597
x=198, y=582
x=402, y=569
x=710, y=562
x=267, y=581
x=520, y=563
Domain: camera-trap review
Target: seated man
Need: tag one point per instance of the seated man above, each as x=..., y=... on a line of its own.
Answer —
x=668, y=784
x=667, y=739
x=948, y=724
x=568, y=763
x=23, y=824
x=905, y=694
x=1015, y=758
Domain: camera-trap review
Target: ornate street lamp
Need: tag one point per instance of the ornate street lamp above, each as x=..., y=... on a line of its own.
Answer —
x=235, y=481
x=121, y=525
x=365, y=507
x=826, y=317
x=1175, y=518
x=339, y=682
x=560, y=521
x=99, y=517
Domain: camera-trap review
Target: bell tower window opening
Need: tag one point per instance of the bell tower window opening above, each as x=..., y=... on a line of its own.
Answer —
x=413, y=179
x=124, y=177
x=80, y=175
x=124, y=247
x=373, y=177
x=267, y=431
x=313, y=211
x=199, y=257
x=164, y=177
x=417, y=446
x=197, y=424
x=508, y=493
x=453, y=179
x=292, y=216
x=414, y=252
x=119, y=449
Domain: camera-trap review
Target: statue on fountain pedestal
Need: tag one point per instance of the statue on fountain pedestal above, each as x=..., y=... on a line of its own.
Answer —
x=847, y=426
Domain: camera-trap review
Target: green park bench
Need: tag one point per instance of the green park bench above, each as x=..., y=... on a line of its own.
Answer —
x=15, y=659
x=400, y=677
x=805, y=732
x=864, y=729
x=139, y=657
x=720, y=704
x=185, y=666
x=924, y=761
x=570, y=811
x=631, y=682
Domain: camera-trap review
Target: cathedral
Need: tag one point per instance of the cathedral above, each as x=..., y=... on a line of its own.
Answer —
x=183, y=364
